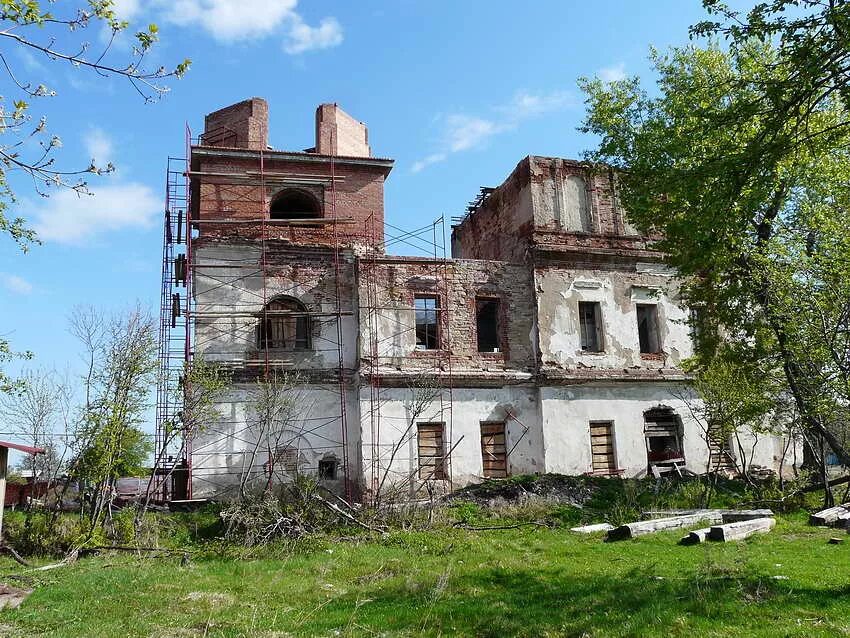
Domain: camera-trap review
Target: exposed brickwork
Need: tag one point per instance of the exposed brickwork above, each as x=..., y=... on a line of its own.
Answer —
x=242, y=125
x=357, y=190
x=337, y=133
x=521, y=216
x=457, y=284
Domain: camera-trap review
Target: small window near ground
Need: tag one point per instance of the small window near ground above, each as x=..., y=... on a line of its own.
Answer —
x=327, y=469
x=487, y=324
x=647, y=322
x=427, y=322
x=432, y=451
x=590, y=320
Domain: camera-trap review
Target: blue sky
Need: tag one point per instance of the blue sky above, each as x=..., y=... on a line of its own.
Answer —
x=456, y=92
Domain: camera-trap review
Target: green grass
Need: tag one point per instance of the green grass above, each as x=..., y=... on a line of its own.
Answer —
x=523, y=582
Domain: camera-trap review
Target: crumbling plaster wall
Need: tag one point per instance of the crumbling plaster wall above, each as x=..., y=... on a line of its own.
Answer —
x=567, y=412
x=617, y=290
x=222, y=452
x=229, y=300
x=517, y=406
x=387, y=289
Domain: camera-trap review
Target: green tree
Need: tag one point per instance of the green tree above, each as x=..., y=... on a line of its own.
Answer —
x=55, y=34
x=739, y=166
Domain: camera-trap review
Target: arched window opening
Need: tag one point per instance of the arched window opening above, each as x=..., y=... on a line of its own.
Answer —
x=295, y=204
x=284, y=325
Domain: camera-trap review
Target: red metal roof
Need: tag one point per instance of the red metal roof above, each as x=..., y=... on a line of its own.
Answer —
x=22, y=448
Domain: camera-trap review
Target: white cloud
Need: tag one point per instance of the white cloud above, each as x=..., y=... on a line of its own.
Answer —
x=302, y=37
x=236, y=20
x=613, y=73
x=465, y=132
x=99, y=146
x=68, y=218
x=230, y=20
x=126, y=9
x=15, y=284
x=527, y=104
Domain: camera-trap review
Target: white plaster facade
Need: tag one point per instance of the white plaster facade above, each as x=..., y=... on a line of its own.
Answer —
x=549, y=238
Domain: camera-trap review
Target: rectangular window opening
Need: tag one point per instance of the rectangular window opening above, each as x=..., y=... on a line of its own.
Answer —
x=590, y=322
x=602, y=447
x=432, y=451
x=487, y=324
x=327, y=469
x=427, y=322
x=647, y=321
x=494, y=453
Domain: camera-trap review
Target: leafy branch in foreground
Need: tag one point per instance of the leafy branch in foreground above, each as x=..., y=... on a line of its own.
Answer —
x=26, y=27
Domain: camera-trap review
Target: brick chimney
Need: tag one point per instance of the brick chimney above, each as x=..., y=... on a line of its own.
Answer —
x=337, y=133
x=241, y=125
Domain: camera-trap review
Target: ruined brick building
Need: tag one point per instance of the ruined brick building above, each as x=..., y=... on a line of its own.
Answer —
x=549, y=341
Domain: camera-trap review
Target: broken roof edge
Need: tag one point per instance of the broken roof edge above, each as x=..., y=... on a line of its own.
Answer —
x=229, y=151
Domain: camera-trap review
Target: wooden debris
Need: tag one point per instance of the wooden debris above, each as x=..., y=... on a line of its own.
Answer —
x=829, y=515
x=733, y=516
x=592, y=529
x=640, y=528
x=741, y=529
x=695, y=537
x=835, y=541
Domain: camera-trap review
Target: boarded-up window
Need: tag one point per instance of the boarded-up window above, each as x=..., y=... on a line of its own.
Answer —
x=602, y=447
x=663, y=435
x=647, y=322
x=494, y=455
x=284, y=325
x=487, y=324
x=590, y=322
x=427, y=322
x=578, y=206
x=432, y=451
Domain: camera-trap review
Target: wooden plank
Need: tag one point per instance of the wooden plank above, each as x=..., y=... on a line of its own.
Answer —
x=741, y=529
x=640, y=528
x=695, y=537
x=829, y=515
x=733, y=516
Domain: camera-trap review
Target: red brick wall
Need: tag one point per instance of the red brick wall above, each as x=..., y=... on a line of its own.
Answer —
x=358, y=194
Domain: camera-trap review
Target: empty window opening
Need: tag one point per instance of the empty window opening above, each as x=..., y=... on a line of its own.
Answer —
x=487, y=324
x=647, y=322
x=494, y=454
x=590, y=321
x=284, y=325
x=432, y=451
x=295, y=204
x=427, y=322
x=327, y=469
x=602, y=447
x=663, y=433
